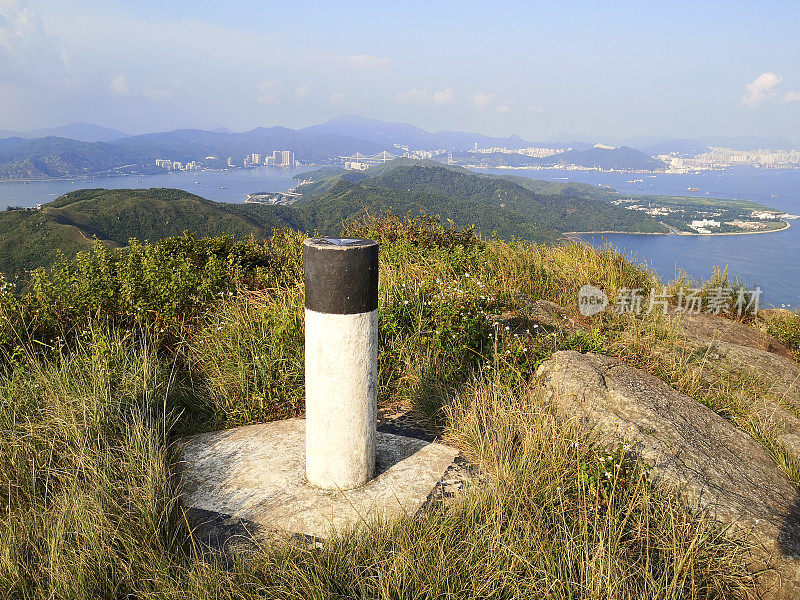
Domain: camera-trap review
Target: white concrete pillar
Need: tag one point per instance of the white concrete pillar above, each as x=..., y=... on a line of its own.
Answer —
x=341, y=277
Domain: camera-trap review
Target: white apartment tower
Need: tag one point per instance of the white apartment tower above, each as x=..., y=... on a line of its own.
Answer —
x=283, y=158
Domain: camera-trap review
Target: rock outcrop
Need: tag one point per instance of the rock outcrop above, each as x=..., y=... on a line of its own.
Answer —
x=687, y=445
x=780, y=376
x=704, y=328
x=730, y=347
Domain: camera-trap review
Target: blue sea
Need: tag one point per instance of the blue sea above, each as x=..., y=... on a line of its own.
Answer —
x=770, y=261
x=220, y=186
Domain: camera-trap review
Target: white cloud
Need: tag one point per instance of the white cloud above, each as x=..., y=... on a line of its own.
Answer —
x=424, y=97
x=27, y=54
x=535, y=109
x=502, y=109
x=368, y=60
x=301, y=91
x=268, y=91
x=120, y=87
x=760, y=89
x=791, y=97
x=443, y=96
x=337, y=98
x=483, y=101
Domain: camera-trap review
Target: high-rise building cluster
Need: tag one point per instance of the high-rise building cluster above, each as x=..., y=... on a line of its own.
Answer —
x=175, y=165
x=278, y=158
x=532, y=151
x=719, y=158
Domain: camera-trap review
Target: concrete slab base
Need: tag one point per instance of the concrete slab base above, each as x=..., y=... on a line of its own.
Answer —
x=256, y=474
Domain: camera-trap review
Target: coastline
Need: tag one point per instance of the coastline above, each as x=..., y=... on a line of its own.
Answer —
x=787, y=225
x=625, y=232
x=75, y=178
x=109, y=176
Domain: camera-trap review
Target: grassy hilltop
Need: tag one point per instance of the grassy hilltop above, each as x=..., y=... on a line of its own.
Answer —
x=109, y=357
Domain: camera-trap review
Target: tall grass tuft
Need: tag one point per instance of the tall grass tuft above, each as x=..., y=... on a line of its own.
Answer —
x=248, y=357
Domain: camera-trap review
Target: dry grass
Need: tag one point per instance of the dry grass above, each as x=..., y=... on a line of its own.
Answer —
x=89, y=509
x=741, y=395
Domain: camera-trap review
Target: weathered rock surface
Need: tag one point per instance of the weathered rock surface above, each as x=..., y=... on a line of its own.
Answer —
x=780, y=376
x=711, y=461
x=705, y=327
x=777, y=376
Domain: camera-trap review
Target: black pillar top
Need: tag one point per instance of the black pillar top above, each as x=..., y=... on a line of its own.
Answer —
x=341, y=275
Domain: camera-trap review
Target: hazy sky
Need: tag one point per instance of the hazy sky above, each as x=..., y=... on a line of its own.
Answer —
x=537, y=69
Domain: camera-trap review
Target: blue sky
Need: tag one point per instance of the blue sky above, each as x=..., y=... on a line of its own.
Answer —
x=538, y=69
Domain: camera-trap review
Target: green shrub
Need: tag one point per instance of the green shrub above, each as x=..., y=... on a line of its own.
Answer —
x=164, y=287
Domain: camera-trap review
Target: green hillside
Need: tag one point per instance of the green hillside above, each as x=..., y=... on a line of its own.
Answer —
x=33, y=238
x=118, y=215
x=346, y=200
x=537, y=211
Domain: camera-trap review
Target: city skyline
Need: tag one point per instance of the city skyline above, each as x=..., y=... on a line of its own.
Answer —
x=534, y=70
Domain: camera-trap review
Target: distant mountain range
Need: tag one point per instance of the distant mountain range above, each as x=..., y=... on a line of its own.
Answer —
x=82, y=149
x=655, y=145
x=388, y=134
x=623, y=158
x=54, y=157
x=83, y=132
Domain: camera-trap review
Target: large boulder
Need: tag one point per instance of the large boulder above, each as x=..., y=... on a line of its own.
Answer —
x=719, y=467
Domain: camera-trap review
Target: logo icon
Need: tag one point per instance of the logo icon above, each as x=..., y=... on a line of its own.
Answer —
x=591, y=300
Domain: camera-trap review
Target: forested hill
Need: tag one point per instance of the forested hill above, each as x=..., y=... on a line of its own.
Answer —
x=32, y=238
x=537, y=211
x=491, y=203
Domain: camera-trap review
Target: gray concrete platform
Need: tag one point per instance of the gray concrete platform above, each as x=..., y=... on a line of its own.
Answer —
x=256, y=474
